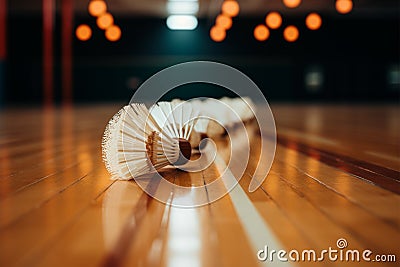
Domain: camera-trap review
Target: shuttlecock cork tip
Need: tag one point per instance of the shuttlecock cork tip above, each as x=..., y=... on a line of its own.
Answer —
x=186, y=151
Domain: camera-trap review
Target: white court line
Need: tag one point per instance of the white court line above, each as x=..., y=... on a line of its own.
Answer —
x=184, y=242
x=254, y=225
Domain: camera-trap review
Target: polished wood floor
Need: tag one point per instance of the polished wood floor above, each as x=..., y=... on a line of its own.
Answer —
x=335, y=175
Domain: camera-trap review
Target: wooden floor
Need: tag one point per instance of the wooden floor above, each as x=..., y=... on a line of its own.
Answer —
x=335, y=175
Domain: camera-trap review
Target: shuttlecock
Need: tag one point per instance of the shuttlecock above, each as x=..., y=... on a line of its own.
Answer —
x=202, y=121
x=220, y=117
x=232, y=113
x=248, y=108
x=135, y=144
x=242, y=106
x=179, y=118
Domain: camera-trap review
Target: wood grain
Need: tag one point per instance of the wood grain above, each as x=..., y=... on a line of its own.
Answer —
x=58, y=206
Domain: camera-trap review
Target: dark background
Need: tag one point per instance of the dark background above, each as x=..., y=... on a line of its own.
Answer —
x=357, y=58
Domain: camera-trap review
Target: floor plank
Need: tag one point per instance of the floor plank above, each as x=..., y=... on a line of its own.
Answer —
x=59, y=207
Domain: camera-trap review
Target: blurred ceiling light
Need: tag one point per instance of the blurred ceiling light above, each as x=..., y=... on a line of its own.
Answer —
x=314, y=79
x=230, y=8
x=313, y=21
x=393, y=77
x=113, y=33
x=344, y=6
x=291, y=33
x=273, y=20
x=105, y=21
x=182, y=7
x=217, y=34
x=97, y=7
x=83, y=32
x=292, y=3
x=261, y=33
x=182, y=22
x=223, y=21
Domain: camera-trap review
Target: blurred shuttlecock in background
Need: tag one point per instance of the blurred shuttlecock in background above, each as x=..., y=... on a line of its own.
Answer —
x=219, y=117
x=135, y=144
x=243, y=107
x=227, y=112
x=200, y=128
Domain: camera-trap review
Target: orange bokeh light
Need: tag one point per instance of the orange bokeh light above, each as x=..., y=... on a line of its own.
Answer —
x=217, y=34
x=105, y=21
x=292, y=3
x=261, y=33
x=313, y=21
x=230, y=8
x=113, y=33
x=273, y=20
x=83, y=32
x=97, y=7
x=223, y=21
x=344, y=6
x=291, y=33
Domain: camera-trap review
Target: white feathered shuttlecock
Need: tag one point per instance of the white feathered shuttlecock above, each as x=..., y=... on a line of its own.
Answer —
x=232, y=114
x=220, y=117
x=202, y=121
x=200, y=128
x=179, y=118
x=134, y=144
x=247, y=108
x=243, y=106
x=227, y=114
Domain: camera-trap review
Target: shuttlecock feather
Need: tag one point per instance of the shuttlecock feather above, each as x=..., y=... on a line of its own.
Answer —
x=135, y=144
x=177, y=117
x=203, y=120
x=244, y=107
x=219, y=115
